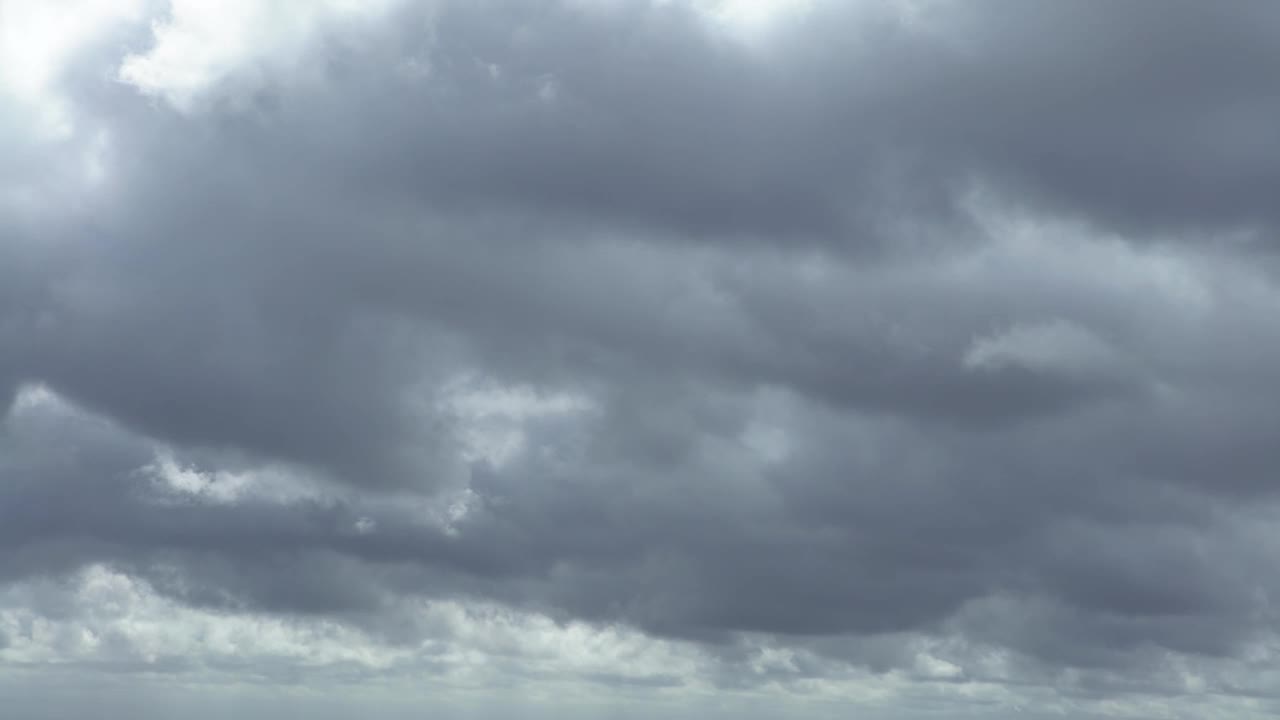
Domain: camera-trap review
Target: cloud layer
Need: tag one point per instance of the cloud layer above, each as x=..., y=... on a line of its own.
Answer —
x=912, y=354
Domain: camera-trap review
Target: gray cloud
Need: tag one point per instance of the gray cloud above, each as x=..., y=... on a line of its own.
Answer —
x=897, y=341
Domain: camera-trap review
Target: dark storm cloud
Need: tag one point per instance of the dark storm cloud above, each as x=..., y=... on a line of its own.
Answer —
x=1146, y=118
x=921, y=249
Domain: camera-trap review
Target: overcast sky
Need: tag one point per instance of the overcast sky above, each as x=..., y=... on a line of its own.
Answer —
x=629, y=359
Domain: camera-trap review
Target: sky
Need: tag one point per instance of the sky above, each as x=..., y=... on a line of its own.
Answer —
x=623, y=359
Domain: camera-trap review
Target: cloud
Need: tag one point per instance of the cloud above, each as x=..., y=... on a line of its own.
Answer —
x=200, y=46
x=914, y=355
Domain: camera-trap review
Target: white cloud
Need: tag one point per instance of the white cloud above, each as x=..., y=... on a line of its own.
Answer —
x=491, y=417
x=752, y=20
x=1056, y=346
x=38, y=38
x=104, y=615
x=202, y=43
